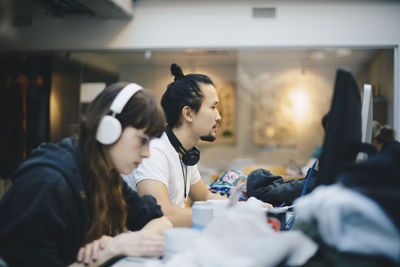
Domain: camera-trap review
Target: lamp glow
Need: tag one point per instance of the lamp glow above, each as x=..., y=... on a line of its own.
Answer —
x=300, y=104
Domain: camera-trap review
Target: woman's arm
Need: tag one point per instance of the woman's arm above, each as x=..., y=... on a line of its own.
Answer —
x=142, y=243
x=95, y=253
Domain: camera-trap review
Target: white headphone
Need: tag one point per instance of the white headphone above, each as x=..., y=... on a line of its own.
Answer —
x=110, y=128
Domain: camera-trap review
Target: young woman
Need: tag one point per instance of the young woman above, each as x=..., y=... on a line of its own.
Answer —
x=70, y=195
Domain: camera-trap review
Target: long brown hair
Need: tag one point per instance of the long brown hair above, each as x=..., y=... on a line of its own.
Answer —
x=103, y=183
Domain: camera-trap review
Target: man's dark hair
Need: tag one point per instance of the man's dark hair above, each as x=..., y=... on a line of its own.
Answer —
x=385, y=134
x=183, y=91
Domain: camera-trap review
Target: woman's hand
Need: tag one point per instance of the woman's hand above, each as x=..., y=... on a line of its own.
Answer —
x=90, y=252
x=142, y=243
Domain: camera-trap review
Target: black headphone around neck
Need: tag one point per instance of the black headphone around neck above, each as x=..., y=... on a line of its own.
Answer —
x=190, y=157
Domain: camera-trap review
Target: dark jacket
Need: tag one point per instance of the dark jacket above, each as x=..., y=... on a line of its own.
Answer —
x=44, y=214
x=272, y=189
x=378, y=178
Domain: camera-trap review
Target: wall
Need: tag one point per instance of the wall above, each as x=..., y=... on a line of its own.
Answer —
x=382, y=75
x=64, y=98
x=65, y=107
x=158, y=76
x=220, y=24
x=379, y=72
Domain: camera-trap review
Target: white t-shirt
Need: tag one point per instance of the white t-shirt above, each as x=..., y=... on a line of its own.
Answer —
x=164, y=165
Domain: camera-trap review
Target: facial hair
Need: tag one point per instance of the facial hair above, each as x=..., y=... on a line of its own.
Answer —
x=208, y=138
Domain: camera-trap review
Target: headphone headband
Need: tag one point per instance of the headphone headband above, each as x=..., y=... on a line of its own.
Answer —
x=174, y=140
x=123, y=97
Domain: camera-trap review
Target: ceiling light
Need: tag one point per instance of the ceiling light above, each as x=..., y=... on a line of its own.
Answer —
x=318, y=55
x=343, y=52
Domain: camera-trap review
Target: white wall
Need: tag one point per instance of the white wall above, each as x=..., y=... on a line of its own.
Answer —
x=222, y=24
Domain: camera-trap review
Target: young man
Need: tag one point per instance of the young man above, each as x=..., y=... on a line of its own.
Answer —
x=170, y=174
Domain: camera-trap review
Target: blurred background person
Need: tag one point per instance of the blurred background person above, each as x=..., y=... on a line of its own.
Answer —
x=382, y=134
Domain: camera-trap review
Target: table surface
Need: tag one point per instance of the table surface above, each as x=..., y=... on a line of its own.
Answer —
x=134, y=261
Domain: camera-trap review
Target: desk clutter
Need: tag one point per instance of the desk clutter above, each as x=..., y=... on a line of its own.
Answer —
x=354, y=222
x=263, y=184
x=329, y=232
x=239, y=236
x=228, y=180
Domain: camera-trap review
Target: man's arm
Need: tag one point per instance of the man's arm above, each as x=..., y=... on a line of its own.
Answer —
x=200, y=192
x=158, y=226
x=179, y=217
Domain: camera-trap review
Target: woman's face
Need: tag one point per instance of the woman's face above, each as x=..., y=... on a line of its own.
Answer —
x=127, y=153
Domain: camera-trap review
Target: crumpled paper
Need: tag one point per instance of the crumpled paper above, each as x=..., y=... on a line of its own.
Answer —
x=241, y=237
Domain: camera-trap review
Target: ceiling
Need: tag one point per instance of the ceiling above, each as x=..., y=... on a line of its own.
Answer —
x=23, y=11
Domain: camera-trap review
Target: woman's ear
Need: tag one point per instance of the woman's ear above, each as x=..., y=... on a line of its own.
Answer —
x=187, y=114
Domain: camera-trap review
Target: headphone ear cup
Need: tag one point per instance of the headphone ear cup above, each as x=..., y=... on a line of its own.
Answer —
x=190, y=158
x=109, y=130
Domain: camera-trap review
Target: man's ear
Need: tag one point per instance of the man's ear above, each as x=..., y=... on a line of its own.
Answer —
x=187, y=114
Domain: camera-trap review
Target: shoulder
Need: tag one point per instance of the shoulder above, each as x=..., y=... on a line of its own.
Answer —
x=161, y=152
x=161, y=144
x=393, y=144
x=51, y=164
x=40, y=175
x=41, y=181
x=40, y=194
x=163, y=159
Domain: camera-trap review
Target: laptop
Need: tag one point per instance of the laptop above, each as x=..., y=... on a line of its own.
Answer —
x=290, y=214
